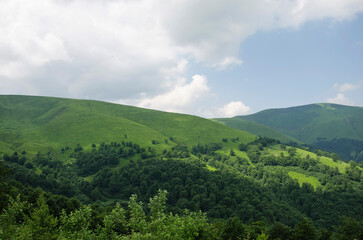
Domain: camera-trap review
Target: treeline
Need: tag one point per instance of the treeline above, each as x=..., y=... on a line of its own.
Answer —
x=22, y=220
x=107, y=155
x=207, y=149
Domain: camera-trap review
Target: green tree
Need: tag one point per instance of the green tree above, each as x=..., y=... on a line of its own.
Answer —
x=41, y=224
x=292, y=151
x=137, y=221
x=77, y=224
x=350, y=229
x=157, y=205
x=114, y=223
x=279, y=231
x=234, y=229
x=304, y=230
x=12, y=220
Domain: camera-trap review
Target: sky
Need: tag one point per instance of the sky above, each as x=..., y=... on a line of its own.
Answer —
x=209, y=58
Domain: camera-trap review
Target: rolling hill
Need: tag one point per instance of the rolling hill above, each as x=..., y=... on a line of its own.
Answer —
x=42, y=123
x=320, y=125
x=315, y=122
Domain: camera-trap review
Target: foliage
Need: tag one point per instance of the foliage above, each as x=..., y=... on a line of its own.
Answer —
x=132, y=223
x=347, y=149
x=233, y=188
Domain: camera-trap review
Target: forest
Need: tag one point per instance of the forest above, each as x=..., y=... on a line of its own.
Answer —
x=126, y=191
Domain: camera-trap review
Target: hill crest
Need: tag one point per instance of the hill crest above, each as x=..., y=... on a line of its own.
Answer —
x=37, y=123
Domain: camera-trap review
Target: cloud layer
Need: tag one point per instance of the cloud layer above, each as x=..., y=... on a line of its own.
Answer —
x=119, y=49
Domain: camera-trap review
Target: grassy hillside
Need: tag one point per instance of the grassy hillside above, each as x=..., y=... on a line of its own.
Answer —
x=255, y=128
x=315, y=122
x=43, y=123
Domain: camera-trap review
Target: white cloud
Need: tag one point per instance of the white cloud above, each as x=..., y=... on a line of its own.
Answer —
x=342, y=89
x=100, y=49
x=232, y=109
x=180, y=98
x=346, y=87
x=340, y=98
x=212, y=31
x=118, y=49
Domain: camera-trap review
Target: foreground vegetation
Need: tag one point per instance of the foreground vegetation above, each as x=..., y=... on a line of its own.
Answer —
x=21, y=220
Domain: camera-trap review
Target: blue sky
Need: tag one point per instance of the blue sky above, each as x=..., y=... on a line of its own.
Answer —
x=204, y=57
x=290, y=67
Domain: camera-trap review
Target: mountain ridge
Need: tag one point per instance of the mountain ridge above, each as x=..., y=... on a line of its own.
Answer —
x=293, y=121
x=55, y=122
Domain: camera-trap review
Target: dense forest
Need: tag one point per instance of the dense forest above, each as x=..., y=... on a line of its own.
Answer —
x=348, y=149
x=205, y=192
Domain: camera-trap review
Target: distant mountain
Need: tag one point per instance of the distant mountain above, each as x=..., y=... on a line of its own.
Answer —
x=315, y=122
x=39, y=123
x=312, y=124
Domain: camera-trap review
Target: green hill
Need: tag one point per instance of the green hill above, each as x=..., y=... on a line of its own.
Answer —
x=43, y=123
x=315, y=122
x=255, y=128
x=330, y=127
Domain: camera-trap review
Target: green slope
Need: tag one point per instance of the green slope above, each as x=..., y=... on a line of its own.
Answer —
x=315, y=122
x=330, y=127
x=255, y=128
x=40, y=123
